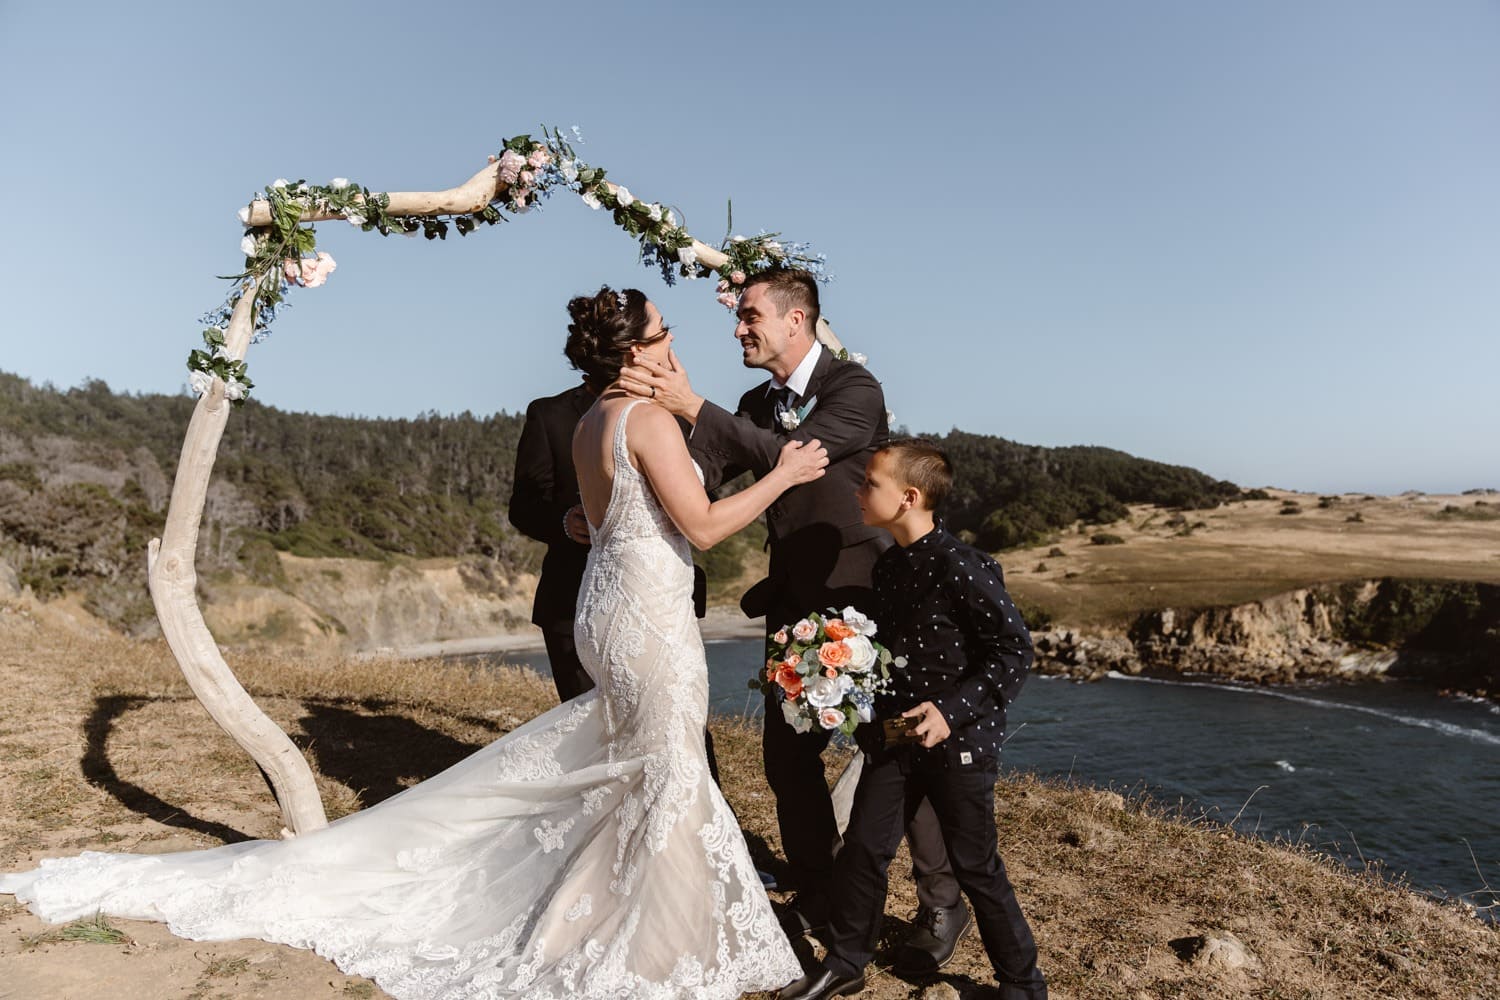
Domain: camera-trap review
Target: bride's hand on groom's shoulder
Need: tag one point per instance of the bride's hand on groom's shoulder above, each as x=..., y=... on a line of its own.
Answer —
x=664, y=383
x=803, y=462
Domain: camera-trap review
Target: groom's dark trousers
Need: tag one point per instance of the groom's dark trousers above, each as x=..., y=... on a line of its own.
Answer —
x=822, y=555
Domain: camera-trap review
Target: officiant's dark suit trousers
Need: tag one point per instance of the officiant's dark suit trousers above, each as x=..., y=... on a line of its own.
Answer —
x=891, y=786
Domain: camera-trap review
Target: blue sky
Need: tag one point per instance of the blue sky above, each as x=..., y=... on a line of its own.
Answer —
x=1259, y=239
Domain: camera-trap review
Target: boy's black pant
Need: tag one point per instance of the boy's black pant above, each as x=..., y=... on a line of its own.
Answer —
x=804, y=810
x=891, y=786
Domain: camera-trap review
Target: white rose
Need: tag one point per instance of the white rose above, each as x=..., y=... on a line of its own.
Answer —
x=279, y=182
x=826, y=692
x=339, y=183
x=355, y=219
x=653, y=212
x=671, y=219
x=861, y=652
x=794, y=716
x=688, y=256
x=890, y=417
x=859, y=358
x=591, y=200
x=235, y=389
x=569, y=169
x=244, y=215
x=200, y=382
x=804, y=631
x=789, y=420
x=858, y=621
x=624, y=197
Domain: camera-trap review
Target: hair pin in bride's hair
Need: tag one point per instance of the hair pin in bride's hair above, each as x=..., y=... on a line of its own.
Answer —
x=624, y=301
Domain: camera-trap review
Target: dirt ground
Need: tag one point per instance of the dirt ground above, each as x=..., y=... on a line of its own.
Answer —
x=103, y=747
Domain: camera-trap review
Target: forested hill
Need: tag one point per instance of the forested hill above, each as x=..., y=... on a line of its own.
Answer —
x=85, y=475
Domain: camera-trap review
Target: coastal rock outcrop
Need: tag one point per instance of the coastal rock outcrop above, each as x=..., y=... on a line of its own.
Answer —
x=1441, y=632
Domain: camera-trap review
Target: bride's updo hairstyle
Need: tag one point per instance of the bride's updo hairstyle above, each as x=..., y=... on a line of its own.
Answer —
x=603, y=328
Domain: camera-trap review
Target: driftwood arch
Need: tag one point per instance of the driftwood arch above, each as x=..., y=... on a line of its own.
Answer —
x=171, y=568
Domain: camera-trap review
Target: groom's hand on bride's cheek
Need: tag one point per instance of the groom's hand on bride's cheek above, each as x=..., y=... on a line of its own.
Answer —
x=664, y=382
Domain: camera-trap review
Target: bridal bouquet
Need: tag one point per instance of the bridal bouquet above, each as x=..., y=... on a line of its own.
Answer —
x=828, y=670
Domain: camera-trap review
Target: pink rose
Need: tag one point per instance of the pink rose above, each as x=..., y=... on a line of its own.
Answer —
x=834, y=654
x=723, y=285
x=322, y=267
x=792, y=659
x=780, y=637
x=511, y=163
x=538, y=158
x=830, y=718
x=804, y=630
x=526, y=177
x=727, y=300
x=738, y=277
x=309, y=272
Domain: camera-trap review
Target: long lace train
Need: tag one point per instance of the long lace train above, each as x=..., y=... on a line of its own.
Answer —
x=586, y=854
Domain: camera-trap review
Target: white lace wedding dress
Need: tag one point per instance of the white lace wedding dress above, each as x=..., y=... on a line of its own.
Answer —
x=586, y=854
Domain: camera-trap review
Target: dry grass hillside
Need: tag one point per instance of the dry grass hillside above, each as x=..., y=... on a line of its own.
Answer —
x=103, y=747
x=1248, y=550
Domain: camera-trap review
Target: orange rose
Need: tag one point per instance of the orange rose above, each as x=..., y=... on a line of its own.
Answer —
x=837, y=630
x=790, y=680
x=834, y=654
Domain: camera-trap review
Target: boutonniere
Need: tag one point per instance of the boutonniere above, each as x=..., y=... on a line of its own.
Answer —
x=790, y=417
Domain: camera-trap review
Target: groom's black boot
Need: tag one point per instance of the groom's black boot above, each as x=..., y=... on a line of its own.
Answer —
x=821, y=984
x=934, y=937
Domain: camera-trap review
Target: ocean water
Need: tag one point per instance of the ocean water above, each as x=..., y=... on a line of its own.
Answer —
x=1381, y=772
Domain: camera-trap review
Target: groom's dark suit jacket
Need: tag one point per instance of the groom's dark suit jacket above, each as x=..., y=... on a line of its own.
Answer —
x=822, y=554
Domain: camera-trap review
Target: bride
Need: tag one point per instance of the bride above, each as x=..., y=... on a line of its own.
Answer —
x=586, y=854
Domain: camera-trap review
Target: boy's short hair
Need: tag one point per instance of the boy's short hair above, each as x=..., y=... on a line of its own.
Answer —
x=921, y=463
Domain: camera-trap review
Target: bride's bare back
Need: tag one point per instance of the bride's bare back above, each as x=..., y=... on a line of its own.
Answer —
x=656, y=448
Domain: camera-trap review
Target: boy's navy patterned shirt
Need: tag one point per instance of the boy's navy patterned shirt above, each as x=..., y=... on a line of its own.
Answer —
x=942, y=604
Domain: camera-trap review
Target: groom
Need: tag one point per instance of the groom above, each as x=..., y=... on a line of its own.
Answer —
x=822, y=555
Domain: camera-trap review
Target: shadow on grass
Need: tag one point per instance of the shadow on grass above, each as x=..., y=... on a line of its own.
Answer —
x=100, y=772
x=377, y=755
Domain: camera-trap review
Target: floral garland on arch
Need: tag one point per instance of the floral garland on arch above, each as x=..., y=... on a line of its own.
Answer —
x=284, y=253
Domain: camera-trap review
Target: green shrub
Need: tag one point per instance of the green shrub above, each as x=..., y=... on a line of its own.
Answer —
x=1105, y=538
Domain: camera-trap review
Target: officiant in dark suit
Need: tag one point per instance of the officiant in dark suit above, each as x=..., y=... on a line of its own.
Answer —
x=822, y=555
x=545, y=505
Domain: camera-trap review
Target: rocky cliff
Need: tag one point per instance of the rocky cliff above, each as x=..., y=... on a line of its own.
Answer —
x=1440, y=632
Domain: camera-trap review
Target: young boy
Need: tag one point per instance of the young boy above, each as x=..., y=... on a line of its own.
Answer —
x=941, y=604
